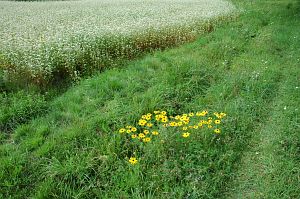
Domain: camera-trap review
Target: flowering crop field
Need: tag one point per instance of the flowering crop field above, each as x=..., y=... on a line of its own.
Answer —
x=42, y=41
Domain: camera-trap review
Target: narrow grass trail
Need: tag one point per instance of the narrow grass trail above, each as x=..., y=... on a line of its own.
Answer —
x=263, y=171
x=270, y=166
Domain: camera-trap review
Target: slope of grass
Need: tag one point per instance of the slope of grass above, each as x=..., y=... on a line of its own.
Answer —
x=243, y=68
x=19, y=107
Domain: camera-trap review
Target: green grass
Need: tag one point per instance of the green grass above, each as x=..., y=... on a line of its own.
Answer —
x=19, y=107
x=248, y=68
x=270, y=169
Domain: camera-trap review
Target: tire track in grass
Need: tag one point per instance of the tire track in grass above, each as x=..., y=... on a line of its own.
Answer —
x=257, y=164
x=265, y=171
x=269, y=168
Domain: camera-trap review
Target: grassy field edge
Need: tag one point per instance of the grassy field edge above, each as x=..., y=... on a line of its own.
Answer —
x=243, y=68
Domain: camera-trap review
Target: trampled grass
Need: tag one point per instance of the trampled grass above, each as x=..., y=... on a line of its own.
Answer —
x=248, y=68
x=42, y=42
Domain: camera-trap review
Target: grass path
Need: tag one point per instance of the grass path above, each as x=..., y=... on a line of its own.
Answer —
x=270, y=166
x=258, y=175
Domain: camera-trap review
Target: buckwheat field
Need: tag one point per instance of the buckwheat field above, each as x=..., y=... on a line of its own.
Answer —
x=44, y=41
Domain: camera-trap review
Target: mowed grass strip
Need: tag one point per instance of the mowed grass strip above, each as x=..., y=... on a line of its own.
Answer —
x=46, y=42
x=75, y=150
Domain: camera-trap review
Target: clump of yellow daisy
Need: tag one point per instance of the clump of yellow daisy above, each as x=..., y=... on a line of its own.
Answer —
x=151, y=123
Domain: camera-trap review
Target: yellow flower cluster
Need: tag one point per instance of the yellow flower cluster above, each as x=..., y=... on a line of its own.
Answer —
x=128, y=129
x=195, y=121
x=150, y=123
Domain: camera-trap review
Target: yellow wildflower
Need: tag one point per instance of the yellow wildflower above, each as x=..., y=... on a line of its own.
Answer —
x=156, y=112
x=179, y=124
x=155, y=133
x=157, y=117
x=141, y=135
x=172, y=123
x=133, y=129
x=142, y=122
x=191, y=114
x=223, y=114
x=217, y=121
x=122, y=130
x=149, y=125
x=186, y=121
x=182, y=118
x=184, y=128
x=164, y=120
x=217, y=131
x=185, y=135
x=209, y=126
x=163, y=112
x=133, y=160
x=148, y=117
x=196, y=127
x=133, y=136
x=146, y=139
x=146, y=132
x=128, y=131
x=177, y=117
